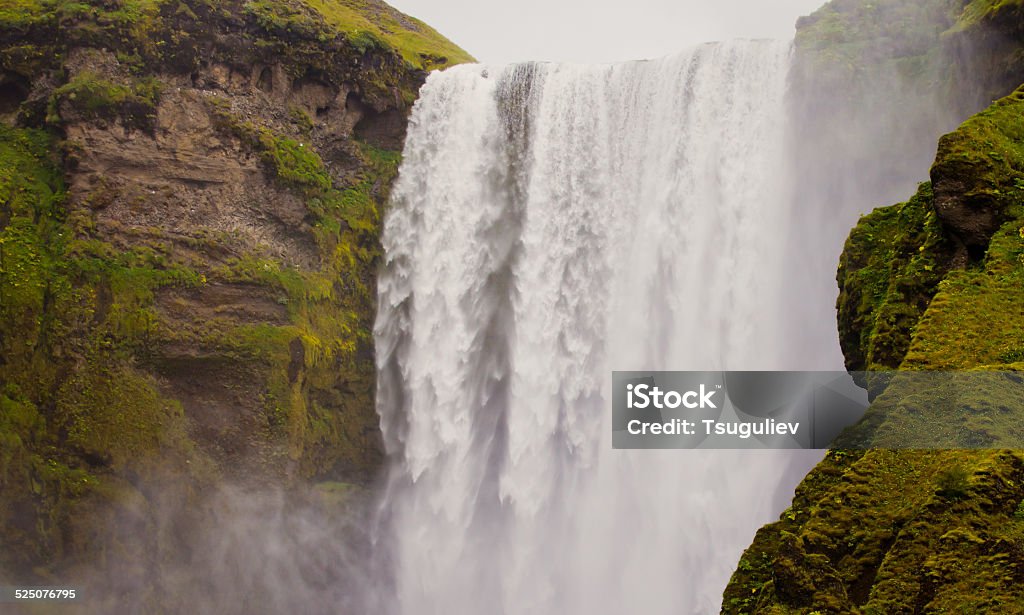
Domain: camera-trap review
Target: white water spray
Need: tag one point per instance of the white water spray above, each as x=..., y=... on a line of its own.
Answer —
x=552, y=223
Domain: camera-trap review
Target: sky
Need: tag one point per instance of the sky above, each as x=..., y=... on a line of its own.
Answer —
x=501, y=31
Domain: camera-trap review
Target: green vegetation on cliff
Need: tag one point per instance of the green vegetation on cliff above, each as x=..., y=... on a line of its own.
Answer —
x=99, y=98
x=316, y=37
x=930, y=284
x=980, y=11
x=856, y=36
x=365, y=23
x=936, y=283
x=877, y=81
x=957, y=329
x=887, y=275
x=859, y=34
x=880, y=531
x=190, y=200
x=965, y=219
x=74, y=402
x=331, y=309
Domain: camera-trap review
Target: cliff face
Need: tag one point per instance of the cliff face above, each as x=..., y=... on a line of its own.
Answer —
x=930, y=284
x=872, y=85
x=191, y=195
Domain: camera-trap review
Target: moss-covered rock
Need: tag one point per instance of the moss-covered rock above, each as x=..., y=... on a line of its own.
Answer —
x=875, y=82
x=880, y=531
x=888, y=271
x=978, y=175
x=896, y=257
x=190, y=202
x=373, y=48
x=936, y=283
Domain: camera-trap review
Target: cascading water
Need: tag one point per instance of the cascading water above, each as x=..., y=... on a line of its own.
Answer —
x=552, y=223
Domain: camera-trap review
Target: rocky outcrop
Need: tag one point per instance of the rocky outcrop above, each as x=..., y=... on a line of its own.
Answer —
x=929, y=284
x=919, y=531
x=192, y=192
x=873, y=85
x=896, y=258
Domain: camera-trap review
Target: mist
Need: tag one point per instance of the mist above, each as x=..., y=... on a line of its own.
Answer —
x=231, y=550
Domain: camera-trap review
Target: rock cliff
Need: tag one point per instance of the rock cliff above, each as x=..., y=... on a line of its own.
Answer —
x=191, y=194
x=929, y=284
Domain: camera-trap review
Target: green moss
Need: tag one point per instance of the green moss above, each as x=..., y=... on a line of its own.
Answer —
x=30, y=216
x=876, y=534
x=888, y=273
x=38, y=489
x=76, y=408
x=113, y=413
x=97, y=98
x=22, y=13
x=919, y=531
x=953, y=483
x=957, y=330
x=982, y=161
x=366, y=24
x=303, y=122
x=43, y=30
x=292, y=163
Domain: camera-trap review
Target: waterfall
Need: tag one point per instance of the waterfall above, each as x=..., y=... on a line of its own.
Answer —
x=552, y=223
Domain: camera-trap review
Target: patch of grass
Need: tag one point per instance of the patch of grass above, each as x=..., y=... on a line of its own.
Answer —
x=302, y=120
x=98, y=98
x=953, y=483
x=21, y=13
x=367, y=24
x=957, y=330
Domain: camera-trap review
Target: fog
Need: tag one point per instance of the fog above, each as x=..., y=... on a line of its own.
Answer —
x=230, y=550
